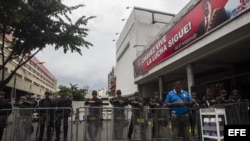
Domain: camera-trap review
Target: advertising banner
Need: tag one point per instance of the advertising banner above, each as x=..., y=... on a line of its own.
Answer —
x=203, y=18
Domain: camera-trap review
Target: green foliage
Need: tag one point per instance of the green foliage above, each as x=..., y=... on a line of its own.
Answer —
x=67, y=90
x=74, y=92
x=34, y=24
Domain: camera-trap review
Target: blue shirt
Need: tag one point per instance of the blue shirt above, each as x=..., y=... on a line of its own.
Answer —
x=174, y=97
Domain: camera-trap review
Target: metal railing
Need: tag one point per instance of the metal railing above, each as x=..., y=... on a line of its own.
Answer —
x=19, y=125
x=148, y=123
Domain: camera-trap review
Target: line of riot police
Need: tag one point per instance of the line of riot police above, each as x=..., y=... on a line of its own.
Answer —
x=139, y=117
x=51, y=113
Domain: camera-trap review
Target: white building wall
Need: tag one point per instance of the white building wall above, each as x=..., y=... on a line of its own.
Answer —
x=202, y=48
x=102, y=92
x=125, y=73
x=133, y=39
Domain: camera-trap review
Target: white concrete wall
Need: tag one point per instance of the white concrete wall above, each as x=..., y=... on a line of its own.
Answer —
x=137, y=32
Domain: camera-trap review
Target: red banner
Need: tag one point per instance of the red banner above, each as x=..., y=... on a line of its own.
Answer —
x=201, y=19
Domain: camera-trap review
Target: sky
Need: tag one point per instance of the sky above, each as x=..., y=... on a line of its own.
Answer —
x=93, y=66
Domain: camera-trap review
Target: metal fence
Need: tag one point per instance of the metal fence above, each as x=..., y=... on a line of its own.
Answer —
x=20, y=124
x=148, y=124
x=237, y=113
x=143, y=124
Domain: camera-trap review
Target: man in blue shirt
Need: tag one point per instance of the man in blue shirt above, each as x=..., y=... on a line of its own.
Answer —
x=178, y=101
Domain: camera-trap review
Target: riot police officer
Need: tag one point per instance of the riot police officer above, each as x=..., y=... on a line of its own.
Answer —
x=45, y=116
x=94, y=117
x=64, y=105
x=119, y=103
x=25, y=119
x=138, y=117
x=5, y=110
x=155, y=104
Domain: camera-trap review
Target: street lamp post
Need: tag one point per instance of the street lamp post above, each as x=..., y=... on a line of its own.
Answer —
x=13, y=91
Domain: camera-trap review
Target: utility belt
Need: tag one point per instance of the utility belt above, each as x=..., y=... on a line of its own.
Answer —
x=119, y=117
x=177, y=116
x=24, y=118
x=161, y=119
x=93, y=118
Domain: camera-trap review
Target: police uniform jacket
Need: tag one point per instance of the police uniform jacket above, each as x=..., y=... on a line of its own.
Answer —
x=118, y=106
x=64, y=102
x=46, y=103
x=95, y=108
x=153, y=102
x=137, y=108
x=28, y=103
x=5, y=107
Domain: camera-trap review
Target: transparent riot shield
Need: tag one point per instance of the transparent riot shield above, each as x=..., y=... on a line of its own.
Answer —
x=23, y=127
x=93, y=124
x=139, y=124
x=160, y=124
x=119, y=123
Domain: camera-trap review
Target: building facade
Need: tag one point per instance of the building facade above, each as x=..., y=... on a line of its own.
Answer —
x=32, y=77
x=111, y=83
x=201, y=55
x=141, y=26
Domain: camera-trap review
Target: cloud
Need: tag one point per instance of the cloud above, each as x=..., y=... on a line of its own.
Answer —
x=93, y=67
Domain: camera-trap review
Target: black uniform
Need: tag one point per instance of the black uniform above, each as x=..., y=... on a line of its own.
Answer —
x=193, y=114
x=207, y=101
x=157, y=115
x=45, y=117
x=138, y=117
x=118, y=116
x=234, y=98
x=5, y=110
x=25, y=119
x=63, y=109
x=94, y=117
x=28, y=103
x=119, y=107
x=222, y=99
